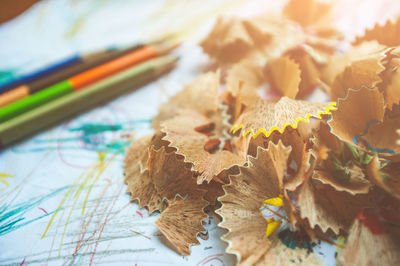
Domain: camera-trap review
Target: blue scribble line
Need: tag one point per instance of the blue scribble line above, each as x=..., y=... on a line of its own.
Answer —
x=360, y=137
x=12, y=216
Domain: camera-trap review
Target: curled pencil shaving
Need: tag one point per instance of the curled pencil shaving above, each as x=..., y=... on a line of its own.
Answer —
x=266, y=117
x=365, y=72
x=386, y=176
x=200, y=95
x=327, y=208
x=368, y=228
x=137, y=177
x=370, y=51
x=370, y=127
x=248, y=235
x=206, y=152
x=181, y=221
x=386, y=34
x=391, y=79
x=340, y=165
x=243, y=198
x=313, y=153
x=284, y=76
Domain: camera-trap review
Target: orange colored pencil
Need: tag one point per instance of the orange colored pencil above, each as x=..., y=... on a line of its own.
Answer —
x=100, y=72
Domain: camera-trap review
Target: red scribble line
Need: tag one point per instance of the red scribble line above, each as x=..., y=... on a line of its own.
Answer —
x=116, y=196
x=141, y=215
x=22, y=263
x=43, y=210
x=210, y=258
x=114, y=214
x=97, y=242
x=126, y=135
x=99, y=229
x=85, y=225
x=81, y=241
x=79, y=244
x=122, y=208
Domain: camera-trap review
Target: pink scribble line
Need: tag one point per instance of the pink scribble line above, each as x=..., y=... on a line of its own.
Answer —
x=22, y=263
x=43, y=210
x=107, y=218
x=140, y=214
x=210, y=258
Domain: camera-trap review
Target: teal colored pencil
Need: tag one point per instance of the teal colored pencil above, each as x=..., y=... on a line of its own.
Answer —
x=71, y=104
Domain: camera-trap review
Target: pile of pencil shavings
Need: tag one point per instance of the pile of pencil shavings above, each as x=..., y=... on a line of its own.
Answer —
x=280, y=170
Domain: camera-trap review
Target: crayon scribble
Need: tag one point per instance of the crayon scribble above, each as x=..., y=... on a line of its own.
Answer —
x=295, y=240
x=91, y=137
x=140, y=214
x=3, y=177
x=7, y=76
x=12, y=216
x=79, y=18
x=208, y=259
x=43, y=210
x=78, y=196
x=356, y=139
x=95, y=138
x=31, y=260
x=89, y=129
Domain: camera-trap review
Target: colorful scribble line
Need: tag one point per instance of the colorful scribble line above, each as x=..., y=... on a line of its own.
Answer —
x=87, y=242
x=93, y=136
x=359, y=137
x=12, y=216
x=3, y=179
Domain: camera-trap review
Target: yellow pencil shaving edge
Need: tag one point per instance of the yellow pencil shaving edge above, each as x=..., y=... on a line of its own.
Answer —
x=272, y=226
x=327, y=111
x=277, y=201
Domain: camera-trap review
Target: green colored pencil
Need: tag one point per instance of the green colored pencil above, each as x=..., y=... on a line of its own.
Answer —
x=71, y=104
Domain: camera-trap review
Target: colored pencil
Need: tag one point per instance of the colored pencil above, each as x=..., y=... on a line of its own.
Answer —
x=84, y=63
x=40, y=73
x=74, y=103
x=80, y=81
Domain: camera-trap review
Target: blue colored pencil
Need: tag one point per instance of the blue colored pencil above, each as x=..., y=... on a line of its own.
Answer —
x=41, y=73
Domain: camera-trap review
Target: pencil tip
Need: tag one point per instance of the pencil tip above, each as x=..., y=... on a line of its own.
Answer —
x=167, y=46
x=164, y=64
